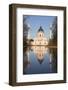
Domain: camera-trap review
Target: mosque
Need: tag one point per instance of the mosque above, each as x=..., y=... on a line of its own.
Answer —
x=40, y=38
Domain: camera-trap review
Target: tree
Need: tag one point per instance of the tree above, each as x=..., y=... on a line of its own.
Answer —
x=53, y=40
x=54, y=31
x=25, y=30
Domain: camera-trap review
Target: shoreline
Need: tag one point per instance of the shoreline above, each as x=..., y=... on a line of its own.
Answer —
x=49, y=46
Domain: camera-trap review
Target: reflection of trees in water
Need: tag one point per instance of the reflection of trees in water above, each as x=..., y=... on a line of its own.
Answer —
x=53, y=53
x=26, y=62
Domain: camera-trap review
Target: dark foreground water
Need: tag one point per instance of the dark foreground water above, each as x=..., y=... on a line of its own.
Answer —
x=39, y=60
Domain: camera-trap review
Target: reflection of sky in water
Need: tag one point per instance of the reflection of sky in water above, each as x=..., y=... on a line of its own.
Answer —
x=37, y=65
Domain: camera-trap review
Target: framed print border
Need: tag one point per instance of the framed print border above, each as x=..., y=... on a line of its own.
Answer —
x=13, y=46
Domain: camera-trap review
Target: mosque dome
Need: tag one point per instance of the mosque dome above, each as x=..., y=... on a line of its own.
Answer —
x=40, y=29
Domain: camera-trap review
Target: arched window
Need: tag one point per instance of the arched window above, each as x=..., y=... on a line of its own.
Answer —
x=40, y=35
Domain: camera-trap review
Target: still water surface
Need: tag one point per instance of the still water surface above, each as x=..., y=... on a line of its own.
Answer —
x=39, y=60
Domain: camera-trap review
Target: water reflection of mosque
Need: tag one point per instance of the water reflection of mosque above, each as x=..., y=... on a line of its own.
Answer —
x=39, y=52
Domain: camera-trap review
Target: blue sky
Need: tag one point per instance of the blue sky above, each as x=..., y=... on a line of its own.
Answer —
x=36, y=21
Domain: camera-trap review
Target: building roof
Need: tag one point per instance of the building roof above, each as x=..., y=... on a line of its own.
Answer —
x=40, y=29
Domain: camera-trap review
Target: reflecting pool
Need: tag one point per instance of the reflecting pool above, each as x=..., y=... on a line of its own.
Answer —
x=39, y=60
